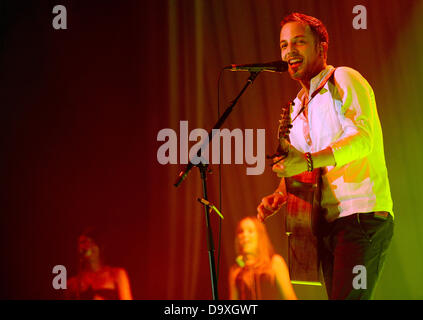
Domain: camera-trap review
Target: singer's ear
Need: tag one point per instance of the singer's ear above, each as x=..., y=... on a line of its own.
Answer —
x=323, y=49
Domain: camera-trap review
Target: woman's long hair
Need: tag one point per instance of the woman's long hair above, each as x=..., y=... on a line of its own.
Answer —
x=265, y=249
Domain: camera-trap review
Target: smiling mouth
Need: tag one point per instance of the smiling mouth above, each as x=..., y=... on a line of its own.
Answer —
x=295, y=62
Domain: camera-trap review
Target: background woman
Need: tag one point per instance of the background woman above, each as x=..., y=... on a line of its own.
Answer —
x=259, y=273
x=95, y=280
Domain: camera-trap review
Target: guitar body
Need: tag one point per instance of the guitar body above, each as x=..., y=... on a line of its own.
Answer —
x=302, y=220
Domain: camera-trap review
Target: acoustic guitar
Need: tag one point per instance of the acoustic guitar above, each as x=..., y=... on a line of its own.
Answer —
x=302, y=214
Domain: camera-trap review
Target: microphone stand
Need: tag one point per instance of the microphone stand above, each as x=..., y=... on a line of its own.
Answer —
x=203, y=172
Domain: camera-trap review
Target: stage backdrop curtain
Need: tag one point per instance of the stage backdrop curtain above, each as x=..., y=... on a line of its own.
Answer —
x=82, y=108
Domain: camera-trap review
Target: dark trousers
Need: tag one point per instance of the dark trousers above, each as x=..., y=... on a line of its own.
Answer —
x=352, y=252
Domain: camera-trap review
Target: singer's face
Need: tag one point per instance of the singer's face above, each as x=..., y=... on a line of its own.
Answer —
x=299, y=50
x=247, y=237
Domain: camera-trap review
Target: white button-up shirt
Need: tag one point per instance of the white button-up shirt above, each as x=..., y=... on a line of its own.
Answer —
x=343, y=115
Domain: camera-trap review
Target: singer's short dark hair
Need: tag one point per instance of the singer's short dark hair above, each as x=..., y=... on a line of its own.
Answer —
x=317, y=27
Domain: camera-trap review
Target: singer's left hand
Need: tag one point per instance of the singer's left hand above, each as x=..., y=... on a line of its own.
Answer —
x=295, y=163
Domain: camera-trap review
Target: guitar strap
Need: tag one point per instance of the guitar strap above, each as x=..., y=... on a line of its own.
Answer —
x=315, y=92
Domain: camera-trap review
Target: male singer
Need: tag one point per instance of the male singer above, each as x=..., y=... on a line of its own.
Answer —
x=338, y=130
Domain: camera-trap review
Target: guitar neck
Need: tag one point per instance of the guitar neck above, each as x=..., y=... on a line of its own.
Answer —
x=283, y=148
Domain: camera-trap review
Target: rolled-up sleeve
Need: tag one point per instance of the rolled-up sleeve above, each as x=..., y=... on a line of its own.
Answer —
x=356, y=114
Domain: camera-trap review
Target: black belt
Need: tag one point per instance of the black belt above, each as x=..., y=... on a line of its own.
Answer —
x=381, y=215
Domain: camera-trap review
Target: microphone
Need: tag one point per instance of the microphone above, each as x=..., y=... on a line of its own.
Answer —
x=275, y=66
x=240, y=261
x=211, y=205
x=85, y=252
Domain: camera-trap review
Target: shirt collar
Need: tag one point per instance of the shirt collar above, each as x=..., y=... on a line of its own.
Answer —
x=315, y=82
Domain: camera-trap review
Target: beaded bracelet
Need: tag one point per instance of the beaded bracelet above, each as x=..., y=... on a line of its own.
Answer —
x=309, y=162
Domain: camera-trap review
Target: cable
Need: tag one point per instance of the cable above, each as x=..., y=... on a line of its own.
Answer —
x=220, y=181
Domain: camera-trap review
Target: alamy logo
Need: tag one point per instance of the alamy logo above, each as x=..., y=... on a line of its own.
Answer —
x=59, y=281
x=200, y=151
x=360, y=280
x=60, y=20
x=360, y=20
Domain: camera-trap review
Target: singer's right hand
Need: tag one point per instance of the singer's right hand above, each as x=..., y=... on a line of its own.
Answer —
x=270, y=205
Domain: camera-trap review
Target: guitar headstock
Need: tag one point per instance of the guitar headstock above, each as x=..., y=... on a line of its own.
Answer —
x=284, y=128
x=285, y=122
x=283, y=134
